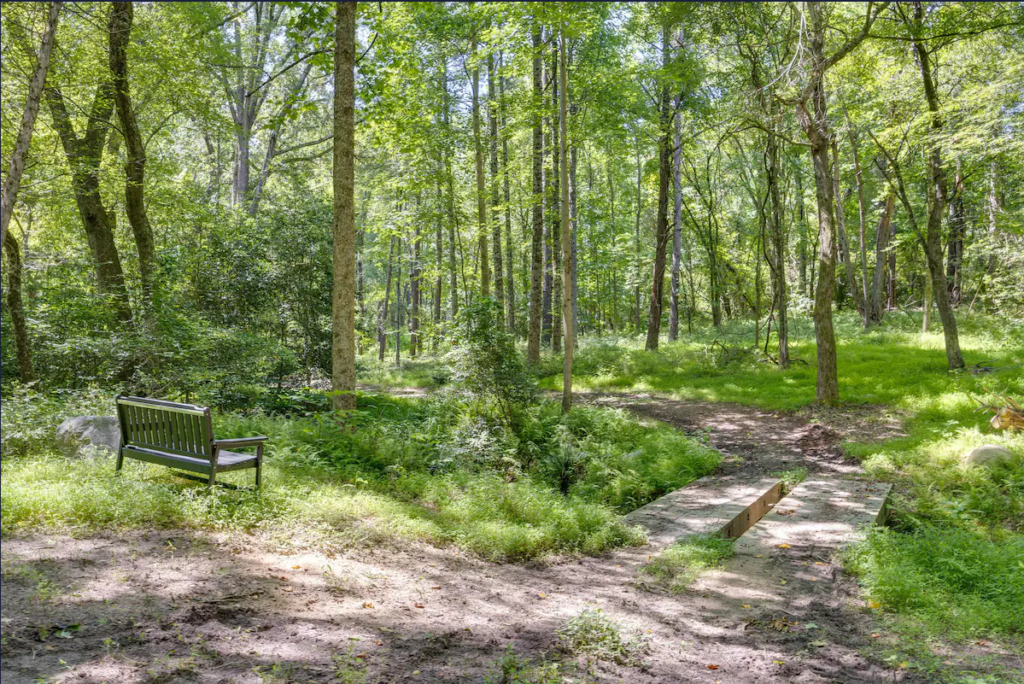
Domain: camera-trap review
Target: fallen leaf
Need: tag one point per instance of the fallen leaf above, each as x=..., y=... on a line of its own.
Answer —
x=435, y=587
x=542, y=595
x=745, y=606
x=874, y=605
x=415, y=672
x=784, y=546
x=296, y=567
x=712, y=667
x=379, y=642
x=810, y=625
x=783, y=582
x=779, y=662
x=367, y=605
x=814, y=579
x=418, y=605
x=875, y=635
x=818, y=644
x=759, y=555
x=820, y=563
x=360, y=655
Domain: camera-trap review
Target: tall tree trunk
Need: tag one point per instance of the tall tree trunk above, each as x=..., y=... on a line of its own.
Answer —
x=398, y=302
x=85, y=155
x=801, y=220
x=453, y=285
x=957, y=231
x=937, y=206
x=22, y=345
x=662, y=230
x=382, y=310
x=481, y=190
x=567, y=261
x=343, y=287
x=816, y=128
x=881, y=257
x=537, y=244
x=862, y=215
x=510, y=289
x=636, y=238
x=556, y=214
x=438, y=281
x=120, y=27
x=492, y=114
x=414, y=284
x=851, y=273
x=677, y=224
x=28, y=121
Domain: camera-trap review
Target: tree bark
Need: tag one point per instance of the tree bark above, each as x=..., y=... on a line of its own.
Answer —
x=22, y=344
x=414, y=284
x=481, y=190
x=882, y=235
x=85, y=156
x=382, y=311
x=28, y=121
x=537, y=245
x=937, y=206
x=677, y=225
x=662, y=229
x=779, y=239
x=556, y=214
x=343, y=358
x=453, y=276
x=816, y=128
x=862, y=215
x=510, y=289
x=851, y=273
x=957, y=231
x=492, y=113
x=567, y=261
x=120, y=28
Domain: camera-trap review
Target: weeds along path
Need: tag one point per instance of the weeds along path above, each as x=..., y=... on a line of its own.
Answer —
x=760, y=442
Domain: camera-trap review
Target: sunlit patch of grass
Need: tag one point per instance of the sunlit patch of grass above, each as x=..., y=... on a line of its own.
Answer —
x=595, y=634
x=679, y=565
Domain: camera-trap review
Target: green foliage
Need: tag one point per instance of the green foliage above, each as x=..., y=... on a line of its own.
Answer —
x=957, y=583
x=679, y=565
x=486, y=364
x=594, y=633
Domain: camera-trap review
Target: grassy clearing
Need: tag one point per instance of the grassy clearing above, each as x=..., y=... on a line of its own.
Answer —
x=410, y=470
x=679, y=565
x=951, y=566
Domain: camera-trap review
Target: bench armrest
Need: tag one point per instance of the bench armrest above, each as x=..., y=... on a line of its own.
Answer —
x=239, y=442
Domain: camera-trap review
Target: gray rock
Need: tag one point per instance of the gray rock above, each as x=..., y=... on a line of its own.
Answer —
x=85, y=434
x=988, y=455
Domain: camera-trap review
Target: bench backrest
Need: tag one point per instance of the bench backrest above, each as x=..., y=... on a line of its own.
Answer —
x=165, y=426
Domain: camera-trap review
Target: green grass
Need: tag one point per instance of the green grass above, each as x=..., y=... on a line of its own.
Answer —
x=679, y=565
x=595, y=634
x=398, y=470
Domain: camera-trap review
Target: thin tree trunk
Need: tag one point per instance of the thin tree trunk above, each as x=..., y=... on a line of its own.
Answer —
x=28, y=121
x=677, y=225
x=414, y=284
x=881, y=257
x=481, y=190
x=567, y=261
x=510, y=289
x=636, y=237
x=801, y=220
x=662, y=230
x=537, y=245
x=851, y=273
x=119, y=28
x=556, y=214
x=22, y=344
x=343, y=286
x=957, y=231
x=492, y=113
x=862, y=214
x=382, y=310
x=937, y=190
x=398, y=302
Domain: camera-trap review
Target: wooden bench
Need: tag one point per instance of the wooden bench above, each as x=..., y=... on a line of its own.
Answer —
x=181, y=436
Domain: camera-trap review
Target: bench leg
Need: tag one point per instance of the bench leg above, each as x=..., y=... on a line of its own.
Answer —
x=120, y=461
x=259, y=466
x=213, y=479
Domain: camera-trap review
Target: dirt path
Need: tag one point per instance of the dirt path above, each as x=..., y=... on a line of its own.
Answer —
x=191, y=607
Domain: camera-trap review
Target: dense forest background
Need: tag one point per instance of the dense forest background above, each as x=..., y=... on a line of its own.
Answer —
x=186, y=248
